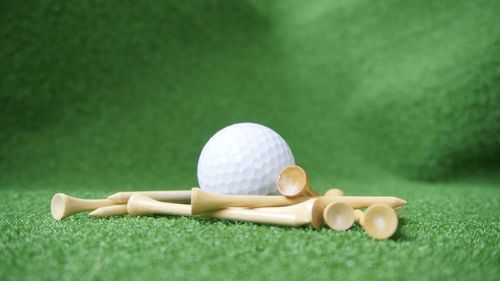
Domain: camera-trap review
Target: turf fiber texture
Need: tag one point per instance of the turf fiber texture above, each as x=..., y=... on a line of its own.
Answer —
x=376, y=97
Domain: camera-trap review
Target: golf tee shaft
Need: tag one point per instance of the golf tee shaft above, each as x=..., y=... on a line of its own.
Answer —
x=249, y=215
x=309, y=191
x=364, y=201
x=358, y=215
x=139, y=204
x=306, y=213
x=174, y=196
x=114, y=210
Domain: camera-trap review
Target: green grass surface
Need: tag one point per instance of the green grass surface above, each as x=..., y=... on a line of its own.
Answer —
x=376, y=97
x=448, y=231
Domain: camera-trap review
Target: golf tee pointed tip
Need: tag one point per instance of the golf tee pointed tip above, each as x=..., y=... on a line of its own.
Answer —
x=398, y=202
x=334, y=192
x=117, y=197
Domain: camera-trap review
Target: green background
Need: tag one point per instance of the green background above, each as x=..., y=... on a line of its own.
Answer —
x=376, y=97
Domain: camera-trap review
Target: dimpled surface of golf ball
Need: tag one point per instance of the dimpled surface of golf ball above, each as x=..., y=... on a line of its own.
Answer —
x=244, y=158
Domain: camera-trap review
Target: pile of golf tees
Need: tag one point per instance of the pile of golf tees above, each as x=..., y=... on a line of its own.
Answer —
x=299, y=205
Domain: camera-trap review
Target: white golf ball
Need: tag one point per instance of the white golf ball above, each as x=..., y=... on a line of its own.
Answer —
x=243, y=158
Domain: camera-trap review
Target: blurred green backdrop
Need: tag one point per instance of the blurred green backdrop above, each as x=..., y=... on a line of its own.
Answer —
x=124, y=94
x=375, y=97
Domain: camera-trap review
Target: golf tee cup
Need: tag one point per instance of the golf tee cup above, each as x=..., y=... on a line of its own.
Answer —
x=339, y=216
x=63, y=205
x=379, y=221
x=293, y=182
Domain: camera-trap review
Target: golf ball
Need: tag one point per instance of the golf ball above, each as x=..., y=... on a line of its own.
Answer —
x=243, y=158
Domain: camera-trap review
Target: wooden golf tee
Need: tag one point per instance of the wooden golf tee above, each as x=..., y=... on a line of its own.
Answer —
x=306, y=213
x=364, y=201
x=334, y=192
x=63, y=205
x=174, y=196
x=379, y=221
x=293, y=182
x=108, y=211
x=339, y=216
x=202, y=201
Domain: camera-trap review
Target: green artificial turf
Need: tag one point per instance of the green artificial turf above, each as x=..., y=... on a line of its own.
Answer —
x=448, y=231
x=376, y=97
